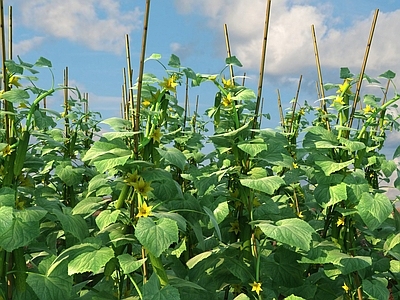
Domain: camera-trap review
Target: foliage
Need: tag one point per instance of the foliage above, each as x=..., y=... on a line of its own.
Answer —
x=145, y=214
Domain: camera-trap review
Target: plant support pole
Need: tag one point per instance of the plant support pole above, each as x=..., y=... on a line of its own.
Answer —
x=262, y=63
x=228, y=52
x=141, y=68
x=364, y=65
x=320, y=81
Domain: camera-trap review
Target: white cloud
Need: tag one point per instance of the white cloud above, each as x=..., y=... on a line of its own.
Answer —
x=24, y=46
x=98, y=24
x=290, y=46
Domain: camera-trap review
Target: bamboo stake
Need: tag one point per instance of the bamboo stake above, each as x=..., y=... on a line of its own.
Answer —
x=66, y=108
x=295, y=103
x=125, y=100
x=280, y=110
x=364, y=64
x=141, y=68
x=130, y=83
x=10, y=35
x=195, y=113
x=4, y=71
x=186, y=102
x=320, y=81
x=244, y=78
x=228, y=52
x=261, y=109
x=262, y=64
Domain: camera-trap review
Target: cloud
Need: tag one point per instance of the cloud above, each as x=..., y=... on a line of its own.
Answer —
x=290, y=46
x=98, y=24
x=24, y=46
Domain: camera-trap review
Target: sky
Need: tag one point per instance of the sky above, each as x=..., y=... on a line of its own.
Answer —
x=89, y=37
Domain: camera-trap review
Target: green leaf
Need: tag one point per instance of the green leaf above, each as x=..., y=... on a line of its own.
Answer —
x=253, y=147
x=328, y=166
x=118, y=124
x=129, y=264
x=388, y=167
x=267, y=184
x=396, y=153
x=88, y=206
x=118, y=135
x=244, y=94
x=345, y=73
x=391, y=242
x=233, y=61
x=7, y=196
x=293, y=297
x=16, y=96
x=19, y=228
x=174, y=61
x=293, y=232
x=156, y=237
x=153, y=291
x=376, y=288
x=68, y=174
x=213, y=221
x=106, y=217
x=352, y=145
x=198, y=258
x=91, y=261
x=50, y=287
x=374, y=210
x=155, y=56
x=241, y=297
x=190, y=73
x=388, y=74
x=173, y=156
x=73, y=224
x=319, y=138
x=43, y=62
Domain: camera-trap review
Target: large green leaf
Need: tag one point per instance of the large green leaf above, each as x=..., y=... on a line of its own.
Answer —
x=106, y=217
x=156, y=237
x=253, y=147
x=173, y=156
x=7, y=197
x=153, y=291
x=88, y=206
x=16, y=96
x=329, y=166
x=73, y=224
x=129, y=264
x=376, y=288
x=68, y=174
x=318, y=137
x=293, y=232
x=91, y=261
x=267, y=184
x=19, y=228
x=52, y=282
x=374, y=210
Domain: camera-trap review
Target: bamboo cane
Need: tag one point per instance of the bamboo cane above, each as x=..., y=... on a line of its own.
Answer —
x=228, y=52
x=186, y=102
x=364, y=64
x=280, y=110
x=4, y=71
x=320, y=81
x=262, y=64
x=141, y=69
x=10, y=35
x=130, y=84
x=295, y=103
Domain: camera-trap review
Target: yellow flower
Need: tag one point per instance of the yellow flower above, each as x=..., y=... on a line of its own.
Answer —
x=345, y=87
x=234, y=227
x=132, y=178
x=256, y=287
x=300, y=215
x=295, y=165
x=368, y=109
x=345, y=287
x=227, y=100
x=212, y=77
x=338, y=100
x=7, y=150
x=156, y=135
x=142, y=187
x=302, y=112
x=146, y=103
x=13, y=80
x=228, y=84
x=144, y=210
x=340, y=222
x=169, y=83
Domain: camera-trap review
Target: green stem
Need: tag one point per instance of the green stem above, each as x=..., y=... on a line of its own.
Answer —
x=136, y=286
x=158, y=268
x=20, y=269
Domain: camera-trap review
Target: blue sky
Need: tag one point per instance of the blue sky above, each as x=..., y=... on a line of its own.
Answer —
x=89, y=37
